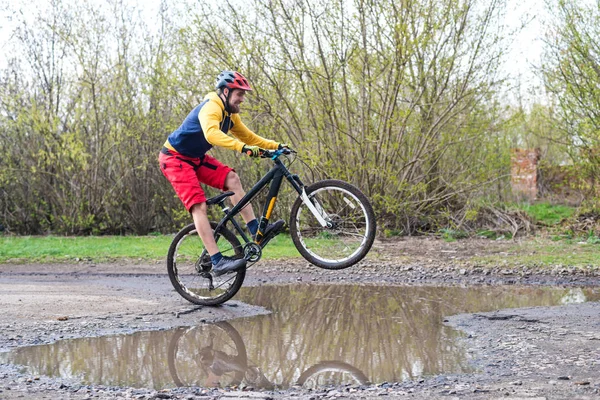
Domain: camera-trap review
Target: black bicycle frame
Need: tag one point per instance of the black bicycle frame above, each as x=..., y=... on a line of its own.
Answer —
x=274, y=176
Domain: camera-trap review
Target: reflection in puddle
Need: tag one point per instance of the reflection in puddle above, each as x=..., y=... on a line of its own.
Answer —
x=317, y=335
x=216, y=355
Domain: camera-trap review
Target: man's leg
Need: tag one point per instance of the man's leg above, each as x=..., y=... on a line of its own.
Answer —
x=233, y=183
x=216, y=174
x=203, y=228
x=221, y=264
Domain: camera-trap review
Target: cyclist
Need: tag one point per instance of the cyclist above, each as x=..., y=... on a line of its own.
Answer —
x=184, y=162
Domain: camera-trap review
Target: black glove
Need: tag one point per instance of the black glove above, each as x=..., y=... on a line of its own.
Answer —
x=283, y=146
x=252, y=151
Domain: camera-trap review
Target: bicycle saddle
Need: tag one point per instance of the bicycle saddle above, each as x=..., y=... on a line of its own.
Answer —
x=219, y=198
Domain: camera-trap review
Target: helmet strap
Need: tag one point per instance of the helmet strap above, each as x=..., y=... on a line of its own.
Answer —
x=227, y=108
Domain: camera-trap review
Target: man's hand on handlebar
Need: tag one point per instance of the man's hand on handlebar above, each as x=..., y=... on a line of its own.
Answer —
x=255, y=151
x=285, y=148
x=252, y=151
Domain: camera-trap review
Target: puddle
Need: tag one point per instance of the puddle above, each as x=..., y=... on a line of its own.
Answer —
x=317, y=335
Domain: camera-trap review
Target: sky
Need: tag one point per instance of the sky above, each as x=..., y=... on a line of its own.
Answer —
x=526, y=48
x=523, y=57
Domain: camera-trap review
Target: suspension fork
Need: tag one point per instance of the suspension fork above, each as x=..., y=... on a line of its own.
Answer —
x=315, y=208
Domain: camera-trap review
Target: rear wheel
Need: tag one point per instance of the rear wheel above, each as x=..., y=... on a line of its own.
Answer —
x=189, y=265
x=350, y=225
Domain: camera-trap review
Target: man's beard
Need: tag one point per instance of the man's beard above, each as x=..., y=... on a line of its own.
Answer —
x=234, y=109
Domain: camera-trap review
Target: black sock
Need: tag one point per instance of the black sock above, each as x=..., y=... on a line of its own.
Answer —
x=252, y=226
x=215, y=258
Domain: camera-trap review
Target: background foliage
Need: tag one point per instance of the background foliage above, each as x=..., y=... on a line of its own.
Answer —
x=397, y=97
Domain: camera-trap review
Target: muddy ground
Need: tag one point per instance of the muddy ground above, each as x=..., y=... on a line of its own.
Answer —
x=543, y=352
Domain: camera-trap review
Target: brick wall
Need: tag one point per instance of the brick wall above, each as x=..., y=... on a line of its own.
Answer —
x=523, y=173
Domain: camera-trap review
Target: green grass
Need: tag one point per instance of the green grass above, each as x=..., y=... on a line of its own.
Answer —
x=544, y=252
x=452, y=235
x=24, y=249
x=546, y=213
x=281, y=246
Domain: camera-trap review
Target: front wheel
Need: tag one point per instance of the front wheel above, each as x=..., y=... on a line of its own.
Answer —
x=350, y=225
x=189, y=267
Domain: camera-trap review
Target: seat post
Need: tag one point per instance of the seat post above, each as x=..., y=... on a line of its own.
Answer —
x=223, y=206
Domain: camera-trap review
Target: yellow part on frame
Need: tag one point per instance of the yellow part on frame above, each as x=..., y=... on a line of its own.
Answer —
x=270, y=209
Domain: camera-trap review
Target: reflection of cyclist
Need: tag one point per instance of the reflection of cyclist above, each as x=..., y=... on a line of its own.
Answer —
x=183, y=160
x=228, y=363
x=220, y=363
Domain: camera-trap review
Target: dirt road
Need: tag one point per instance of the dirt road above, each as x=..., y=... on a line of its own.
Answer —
x=544, y=352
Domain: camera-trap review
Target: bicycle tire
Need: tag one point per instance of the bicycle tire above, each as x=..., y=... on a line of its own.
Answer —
x=185, y=258
x=333, y=367
x=355, y=218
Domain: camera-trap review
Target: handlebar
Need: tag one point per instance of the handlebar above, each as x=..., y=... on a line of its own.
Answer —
x=273, y=154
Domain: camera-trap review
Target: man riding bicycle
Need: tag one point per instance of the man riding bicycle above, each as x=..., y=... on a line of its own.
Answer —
x=184, y=162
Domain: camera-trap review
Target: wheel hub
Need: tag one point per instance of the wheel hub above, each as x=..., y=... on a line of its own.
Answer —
x=334, y=222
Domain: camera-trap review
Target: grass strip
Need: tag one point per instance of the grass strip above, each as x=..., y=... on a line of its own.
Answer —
x=57, y=249
x=545, y=252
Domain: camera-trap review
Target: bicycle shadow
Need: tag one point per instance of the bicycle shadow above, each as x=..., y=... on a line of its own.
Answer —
x=218, y=358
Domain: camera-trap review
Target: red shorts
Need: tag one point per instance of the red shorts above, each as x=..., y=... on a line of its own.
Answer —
x=187, y=173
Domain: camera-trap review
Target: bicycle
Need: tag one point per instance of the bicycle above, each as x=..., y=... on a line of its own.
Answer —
x=332, y=224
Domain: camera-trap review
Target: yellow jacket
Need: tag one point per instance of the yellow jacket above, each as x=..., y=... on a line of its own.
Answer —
x=208, y=125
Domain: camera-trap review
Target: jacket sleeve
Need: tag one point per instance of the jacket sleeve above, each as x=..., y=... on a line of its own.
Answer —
x=210, y=117
x=241, y=131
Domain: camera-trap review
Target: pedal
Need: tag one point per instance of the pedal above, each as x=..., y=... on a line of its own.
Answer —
x=267, y=239
x=270, y=235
